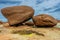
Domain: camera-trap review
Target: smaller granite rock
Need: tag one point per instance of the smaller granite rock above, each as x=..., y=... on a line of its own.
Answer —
x=1, y=22
x=29, y=23
x=58, y=21
x=44, y=20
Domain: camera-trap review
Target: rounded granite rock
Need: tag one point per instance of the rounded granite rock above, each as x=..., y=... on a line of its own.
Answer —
x=18, y=14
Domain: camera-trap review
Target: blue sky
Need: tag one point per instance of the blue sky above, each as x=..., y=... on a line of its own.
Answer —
x=51, y=7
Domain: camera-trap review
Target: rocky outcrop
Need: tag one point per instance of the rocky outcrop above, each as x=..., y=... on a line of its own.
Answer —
x=17, y=14
x=44, y=20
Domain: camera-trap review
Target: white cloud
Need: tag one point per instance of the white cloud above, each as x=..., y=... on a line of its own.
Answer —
x=49, y=4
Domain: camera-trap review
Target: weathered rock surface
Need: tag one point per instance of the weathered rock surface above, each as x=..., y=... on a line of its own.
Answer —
x=44, y=20
x=44, y=34
x=17, y=14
